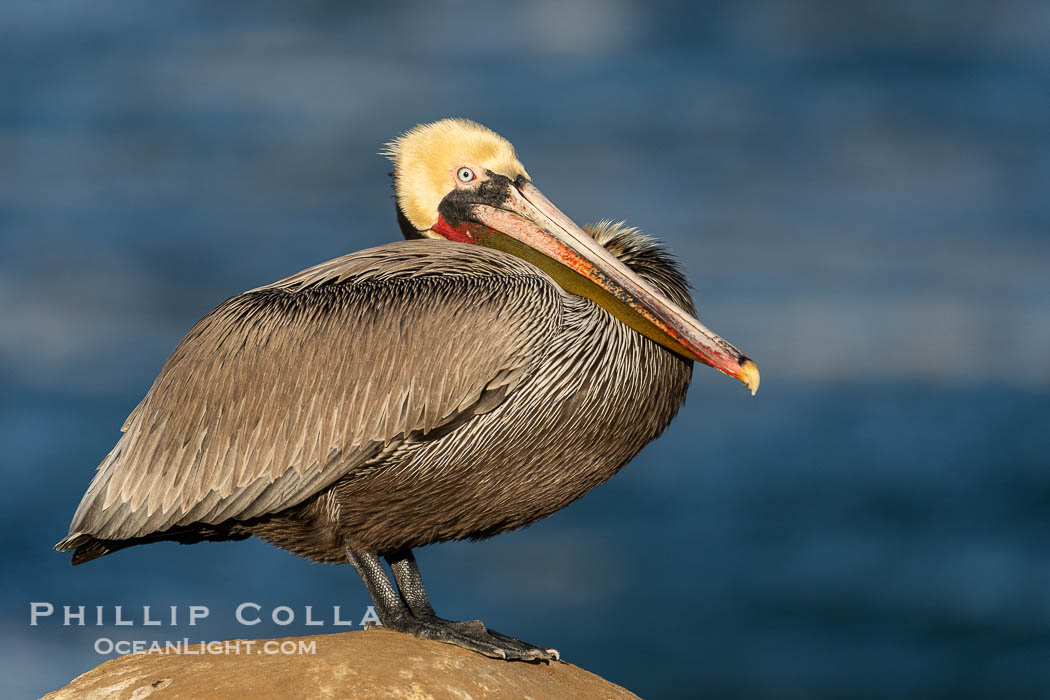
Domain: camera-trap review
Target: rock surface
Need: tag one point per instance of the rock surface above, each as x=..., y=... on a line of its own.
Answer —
x=365, y=664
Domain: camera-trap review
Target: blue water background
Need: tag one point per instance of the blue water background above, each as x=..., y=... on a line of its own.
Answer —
x=859, y=192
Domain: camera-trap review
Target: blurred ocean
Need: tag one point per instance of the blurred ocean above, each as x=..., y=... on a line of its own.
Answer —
x=858, y=191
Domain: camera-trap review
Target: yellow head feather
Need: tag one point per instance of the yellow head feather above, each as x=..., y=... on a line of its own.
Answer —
x=427, y=156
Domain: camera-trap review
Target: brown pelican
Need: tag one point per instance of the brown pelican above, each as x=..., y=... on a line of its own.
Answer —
x=417, y=392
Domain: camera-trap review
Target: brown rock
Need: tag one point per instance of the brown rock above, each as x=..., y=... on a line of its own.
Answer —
x=366, y=664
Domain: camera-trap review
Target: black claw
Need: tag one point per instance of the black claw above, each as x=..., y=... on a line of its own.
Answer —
x=538, y=652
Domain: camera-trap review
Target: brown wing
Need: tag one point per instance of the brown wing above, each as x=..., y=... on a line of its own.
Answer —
x=282, y=390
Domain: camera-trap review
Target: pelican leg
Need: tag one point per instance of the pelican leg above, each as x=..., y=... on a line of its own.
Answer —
x=388, y=603
x=395, y=615
x=409, y=582
x=406, y=573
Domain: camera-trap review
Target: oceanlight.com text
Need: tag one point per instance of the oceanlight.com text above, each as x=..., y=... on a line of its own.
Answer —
x=107, y=646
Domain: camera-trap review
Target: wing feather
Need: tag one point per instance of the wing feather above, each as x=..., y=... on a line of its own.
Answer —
x=284, y=389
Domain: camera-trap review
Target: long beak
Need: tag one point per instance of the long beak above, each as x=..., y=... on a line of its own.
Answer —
x=529, y=226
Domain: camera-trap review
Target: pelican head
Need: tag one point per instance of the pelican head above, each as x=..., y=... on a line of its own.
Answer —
x=459, y=181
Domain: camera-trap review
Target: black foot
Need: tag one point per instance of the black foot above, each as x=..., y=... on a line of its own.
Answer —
x=408, y=610
x=473, y=635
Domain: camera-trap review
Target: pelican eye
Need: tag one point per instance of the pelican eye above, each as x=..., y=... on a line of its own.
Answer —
x=465, y=175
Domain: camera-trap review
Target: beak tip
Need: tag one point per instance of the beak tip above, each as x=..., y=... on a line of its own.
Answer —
x=749, y=375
